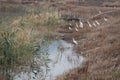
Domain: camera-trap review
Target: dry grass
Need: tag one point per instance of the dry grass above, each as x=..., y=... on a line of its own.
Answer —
x=101, y=47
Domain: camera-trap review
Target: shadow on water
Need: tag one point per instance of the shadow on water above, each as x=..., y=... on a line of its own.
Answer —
x=62, y=57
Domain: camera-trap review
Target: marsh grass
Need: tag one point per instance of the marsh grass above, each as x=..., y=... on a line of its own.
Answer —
x=19, y=45
x=16, y=49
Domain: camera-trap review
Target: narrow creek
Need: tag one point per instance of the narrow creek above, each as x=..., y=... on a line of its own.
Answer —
x=63, y=58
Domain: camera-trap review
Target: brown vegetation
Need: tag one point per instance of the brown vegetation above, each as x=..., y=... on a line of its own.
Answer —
x=100, y=45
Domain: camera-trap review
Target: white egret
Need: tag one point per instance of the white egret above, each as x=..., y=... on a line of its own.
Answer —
x=94, y=24
x=70, y=28
x=100, y=12
x=74, y=41
x=97, y=22
x=70, y=24
x=105, y=19
x=76, y=25
x=89, y=24
x=76, y=29
x=81, y=23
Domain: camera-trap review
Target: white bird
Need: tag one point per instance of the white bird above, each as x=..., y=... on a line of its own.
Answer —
x=89, y=24
x=81, y=24
x=76, y=25
x=70, y=28
x=76, y=29
x=70, y=24
x=97, y=22
x=105, y=19
x=74, y=41
x=94, y=24
x=100, y=12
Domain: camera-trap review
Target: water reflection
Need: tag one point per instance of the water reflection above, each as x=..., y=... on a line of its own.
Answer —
x=63, y=58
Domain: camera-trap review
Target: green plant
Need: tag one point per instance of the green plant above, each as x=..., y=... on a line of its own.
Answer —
x=17, y=49
x=117, y=73
x=12, y=52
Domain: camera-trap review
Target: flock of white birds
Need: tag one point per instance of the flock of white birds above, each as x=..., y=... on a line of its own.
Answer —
x=95, y=23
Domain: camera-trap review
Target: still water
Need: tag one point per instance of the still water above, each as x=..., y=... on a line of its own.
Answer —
x=62, y=57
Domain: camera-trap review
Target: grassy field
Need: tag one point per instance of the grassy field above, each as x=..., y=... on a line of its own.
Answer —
x=24, y=28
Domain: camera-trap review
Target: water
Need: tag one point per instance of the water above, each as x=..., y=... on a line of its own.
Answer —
x=63, y=58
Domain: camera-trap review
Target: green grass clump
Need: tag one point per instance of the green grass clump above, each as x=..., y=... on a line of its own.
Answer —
x=18, y=50
x=15, y=50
